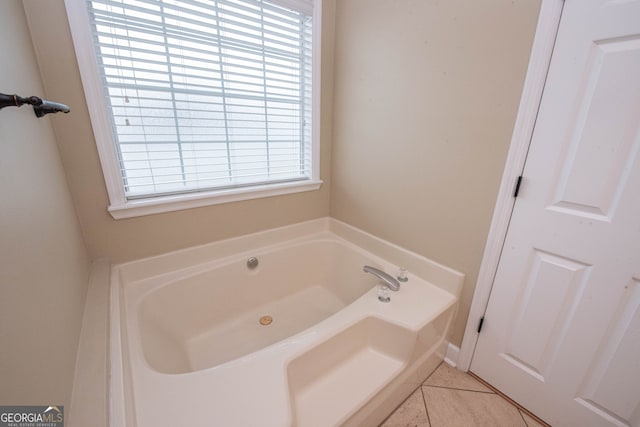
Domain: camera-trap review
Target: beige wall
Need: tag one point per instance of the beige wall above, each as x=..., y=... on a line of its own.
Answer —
x=426, y=95
x=425, y=99
x=128, y=239
x=44, y=266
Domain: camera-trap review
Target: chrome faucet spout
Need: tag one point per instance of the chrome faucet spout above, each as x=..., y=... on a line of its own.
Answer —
x=391, y=282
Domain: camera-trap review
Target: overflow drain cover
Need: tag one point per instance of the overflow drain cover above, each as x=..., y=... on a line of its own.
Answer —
x=266, y=320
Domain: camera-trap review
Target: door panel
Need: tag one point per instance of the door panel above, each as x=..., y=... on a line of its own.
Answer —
x=543, y=311
x=613, y=367
x=593, y=173
x=562, y=327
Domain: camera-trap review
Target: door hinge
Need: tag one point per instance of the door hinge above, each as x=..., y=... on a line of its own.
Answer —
x=480, y=324
x=517, y=190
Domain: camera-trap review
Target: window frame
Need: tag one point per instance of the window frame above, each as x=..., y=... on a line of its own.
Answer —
x=121, y=207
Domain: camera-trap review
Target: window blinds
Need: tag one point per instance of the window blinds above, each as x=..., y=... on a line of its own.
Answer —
x=206, y=94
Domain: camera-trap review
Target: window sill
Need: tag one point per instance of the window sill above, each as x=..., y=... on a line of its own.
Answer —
x=135, y=208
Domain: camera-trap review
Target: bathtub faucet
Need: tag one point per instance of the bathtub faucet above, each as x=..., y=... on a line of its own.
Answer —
x=391, y=282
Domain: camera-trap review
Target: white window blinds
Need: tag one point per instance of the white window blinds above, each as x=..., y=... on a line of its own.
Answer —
x=206, y=94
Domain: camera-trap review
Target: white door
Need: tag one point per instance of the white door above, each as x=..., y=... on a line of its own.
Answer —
x=561, y=333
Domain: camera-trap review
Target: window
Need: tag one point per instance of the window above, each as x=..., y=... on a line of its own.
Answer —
x=197, y=102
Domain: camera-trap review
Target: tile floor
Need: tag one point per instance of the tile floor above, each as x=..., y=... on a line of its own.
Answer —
x=451, y=398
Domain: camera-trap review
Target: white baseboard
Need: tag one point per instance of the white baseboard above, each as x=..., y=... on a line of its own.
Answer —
x=451, y=358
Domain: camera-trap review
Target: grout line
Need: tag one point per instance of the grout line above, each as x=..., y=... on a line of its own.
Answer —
x=424, y=383
x=523, y=420
x=421, y=393
x=400, y=405
x=511, y=401
x=459, y=389
x=433, y=373
x=424, y=402
x=424, y=399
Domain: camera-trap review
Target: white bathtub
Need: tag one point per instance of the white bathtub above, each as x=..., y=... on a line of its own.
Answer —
x=188, y=348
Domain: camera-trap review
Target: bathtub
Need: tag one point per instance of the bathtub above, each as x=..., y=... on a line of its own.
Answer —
x=277, y=328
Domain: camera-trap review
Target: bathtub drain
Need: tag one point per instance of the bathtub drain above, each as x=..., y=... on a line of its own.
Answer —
x=266, y=320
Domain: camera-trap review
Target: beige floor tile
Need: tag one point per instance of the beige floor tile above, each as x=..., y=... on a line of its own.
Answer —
x=411, y=413
x=456, y=408
x=446, y=376
x=530, y=421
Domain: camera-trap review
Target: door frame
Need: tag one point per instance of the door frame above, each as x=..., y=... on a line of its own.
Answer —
x=541, y=51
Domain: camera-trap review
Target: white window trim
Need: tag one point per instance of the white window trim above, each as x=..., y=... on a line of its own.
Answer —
x=119, y=206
